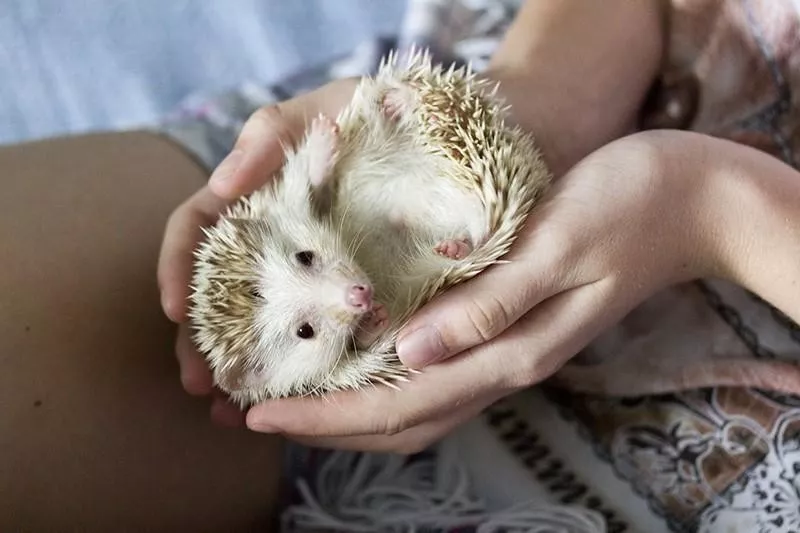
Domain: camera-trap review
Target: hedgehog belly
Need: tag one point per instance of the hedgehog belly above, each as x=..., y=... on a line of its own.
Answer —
x=408, y=187
x=395, y=219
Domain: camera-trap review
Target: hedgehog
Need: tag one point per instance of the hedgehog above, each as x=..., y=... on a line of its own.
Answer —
x=418, y=184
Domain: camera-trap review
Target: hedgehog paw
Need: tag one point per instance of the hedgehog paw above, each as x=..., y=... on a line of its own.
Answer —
x=322, y=144
x=453, y=248
x=374, y=323
x=397, y=102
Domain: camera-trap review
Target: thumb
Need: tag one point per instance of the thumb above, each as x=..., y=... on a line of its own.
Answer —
x=468, y=314
x=259, y=149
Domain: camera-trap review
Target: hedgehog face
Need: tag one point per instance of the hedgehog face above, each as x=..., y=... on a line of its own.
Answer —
x=279, y=303
x=278, y=296
x=310, y=299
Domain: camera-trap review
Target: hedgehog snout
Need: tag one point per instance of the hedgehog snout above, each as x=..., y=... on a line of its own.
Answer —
x=359, y=297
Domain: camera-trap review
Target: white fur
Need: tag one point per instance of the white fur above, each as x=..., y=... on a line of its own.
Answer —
x=276, y=223
x=394, y=201
x=372, y=199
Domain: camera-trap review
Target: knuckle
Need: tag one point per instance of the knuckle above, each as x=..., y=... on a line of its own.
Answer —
x=534, y=368
x=488, y=316
x=267, y=115
x=265, y=119
x=393, y=425
x=176, y=218
x=522, y=377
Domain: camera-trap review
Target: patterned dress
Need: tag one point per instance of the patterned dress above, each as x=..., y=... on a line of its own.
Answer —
x=624, y=433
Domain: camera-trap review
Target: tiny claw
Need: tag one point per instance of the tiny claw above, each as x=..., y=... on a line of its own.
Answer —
x=323, y=122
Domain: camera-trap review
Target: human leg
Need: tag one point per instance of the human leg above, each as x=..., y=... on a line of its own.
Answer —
x=96, y=432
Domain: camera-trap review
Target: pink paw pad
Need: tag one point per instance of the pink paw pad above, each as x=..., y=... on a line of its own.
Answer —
x=396, y=102
x=378, y=318
x=373, y=324
x=453, y=248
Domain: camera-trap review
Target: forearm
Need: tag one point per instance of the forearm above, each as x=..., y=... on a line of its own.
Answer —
x=757, y=232
x=576, y=72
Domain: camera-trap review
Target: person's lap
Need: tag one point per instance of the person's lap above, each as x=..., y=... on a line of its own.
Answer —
x=95, y=428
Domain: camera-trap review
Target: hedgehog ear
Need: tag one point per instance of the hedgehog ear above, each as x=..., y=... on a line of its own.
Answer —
x=247, y=228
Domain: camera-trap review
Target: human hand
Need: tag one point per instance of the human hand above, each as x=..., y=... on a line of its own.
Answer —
x=253, y=160
x=627, y=220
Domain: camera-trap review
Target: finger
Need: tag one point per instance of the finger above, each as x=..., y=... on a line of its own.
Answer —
x=259, y=150
x=480, y=309
x=181, y=235
x=195, y=375
x=380, y=410
x=556, y=330
x=410, y=441
x=225, y=413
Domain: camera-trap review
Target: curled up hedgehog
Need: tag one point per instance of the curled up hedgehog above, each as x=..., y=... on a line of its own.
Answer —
x=417, y=185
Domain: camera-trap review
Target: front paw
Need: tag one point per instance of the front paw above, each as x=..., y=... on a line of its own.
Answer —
x=453, y=248
x=373, y=325
x=323, y=143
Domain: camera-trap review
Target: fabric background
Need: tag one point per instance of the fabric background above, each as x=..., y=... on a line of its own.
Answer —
x=81, y=65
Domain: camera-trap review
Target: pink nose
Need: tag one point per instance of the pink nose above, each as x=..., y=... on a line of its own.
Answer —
x=360, y=297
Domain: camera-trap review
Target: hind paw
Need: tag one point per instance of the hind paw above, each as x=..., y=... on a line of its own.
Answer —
x=322, y=143
x=375, y=323
x=453, y=248
x=398, y=102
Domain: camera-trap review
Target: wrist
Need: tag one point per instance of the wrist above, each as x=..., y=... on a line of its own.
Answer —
x=755, y=226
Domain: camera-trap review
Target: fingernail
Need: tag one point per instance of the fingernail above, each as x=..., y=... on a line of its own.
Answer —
x=228, y=166
x=421, y=347
x=173, y=311
x=253, y=423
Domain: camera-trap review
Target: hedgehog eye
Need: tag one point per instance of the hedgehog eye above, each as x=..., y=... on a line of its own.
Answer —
x=255, y=292
x=305, y=331
x=305, y=257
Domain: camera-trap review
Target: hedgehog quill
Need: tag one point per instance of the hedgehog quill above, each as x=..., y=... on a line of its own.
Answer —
x=417, y=185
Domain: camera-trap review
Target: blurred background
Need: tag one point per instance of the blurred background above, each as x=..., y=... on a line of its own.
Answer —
x=82, y=65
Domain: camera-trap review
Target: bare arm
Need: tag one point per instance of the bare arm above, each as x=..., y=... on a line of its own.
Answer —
x=576, y=72
x=757, y=234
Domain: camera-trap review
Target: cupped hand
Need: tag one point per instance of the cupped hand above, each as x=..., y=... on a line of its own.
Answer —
x=627, y=220
x=256, y=156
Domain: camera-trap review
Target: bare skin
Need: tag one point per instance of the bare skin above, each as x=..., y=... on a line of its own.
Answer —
x=96, y=432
